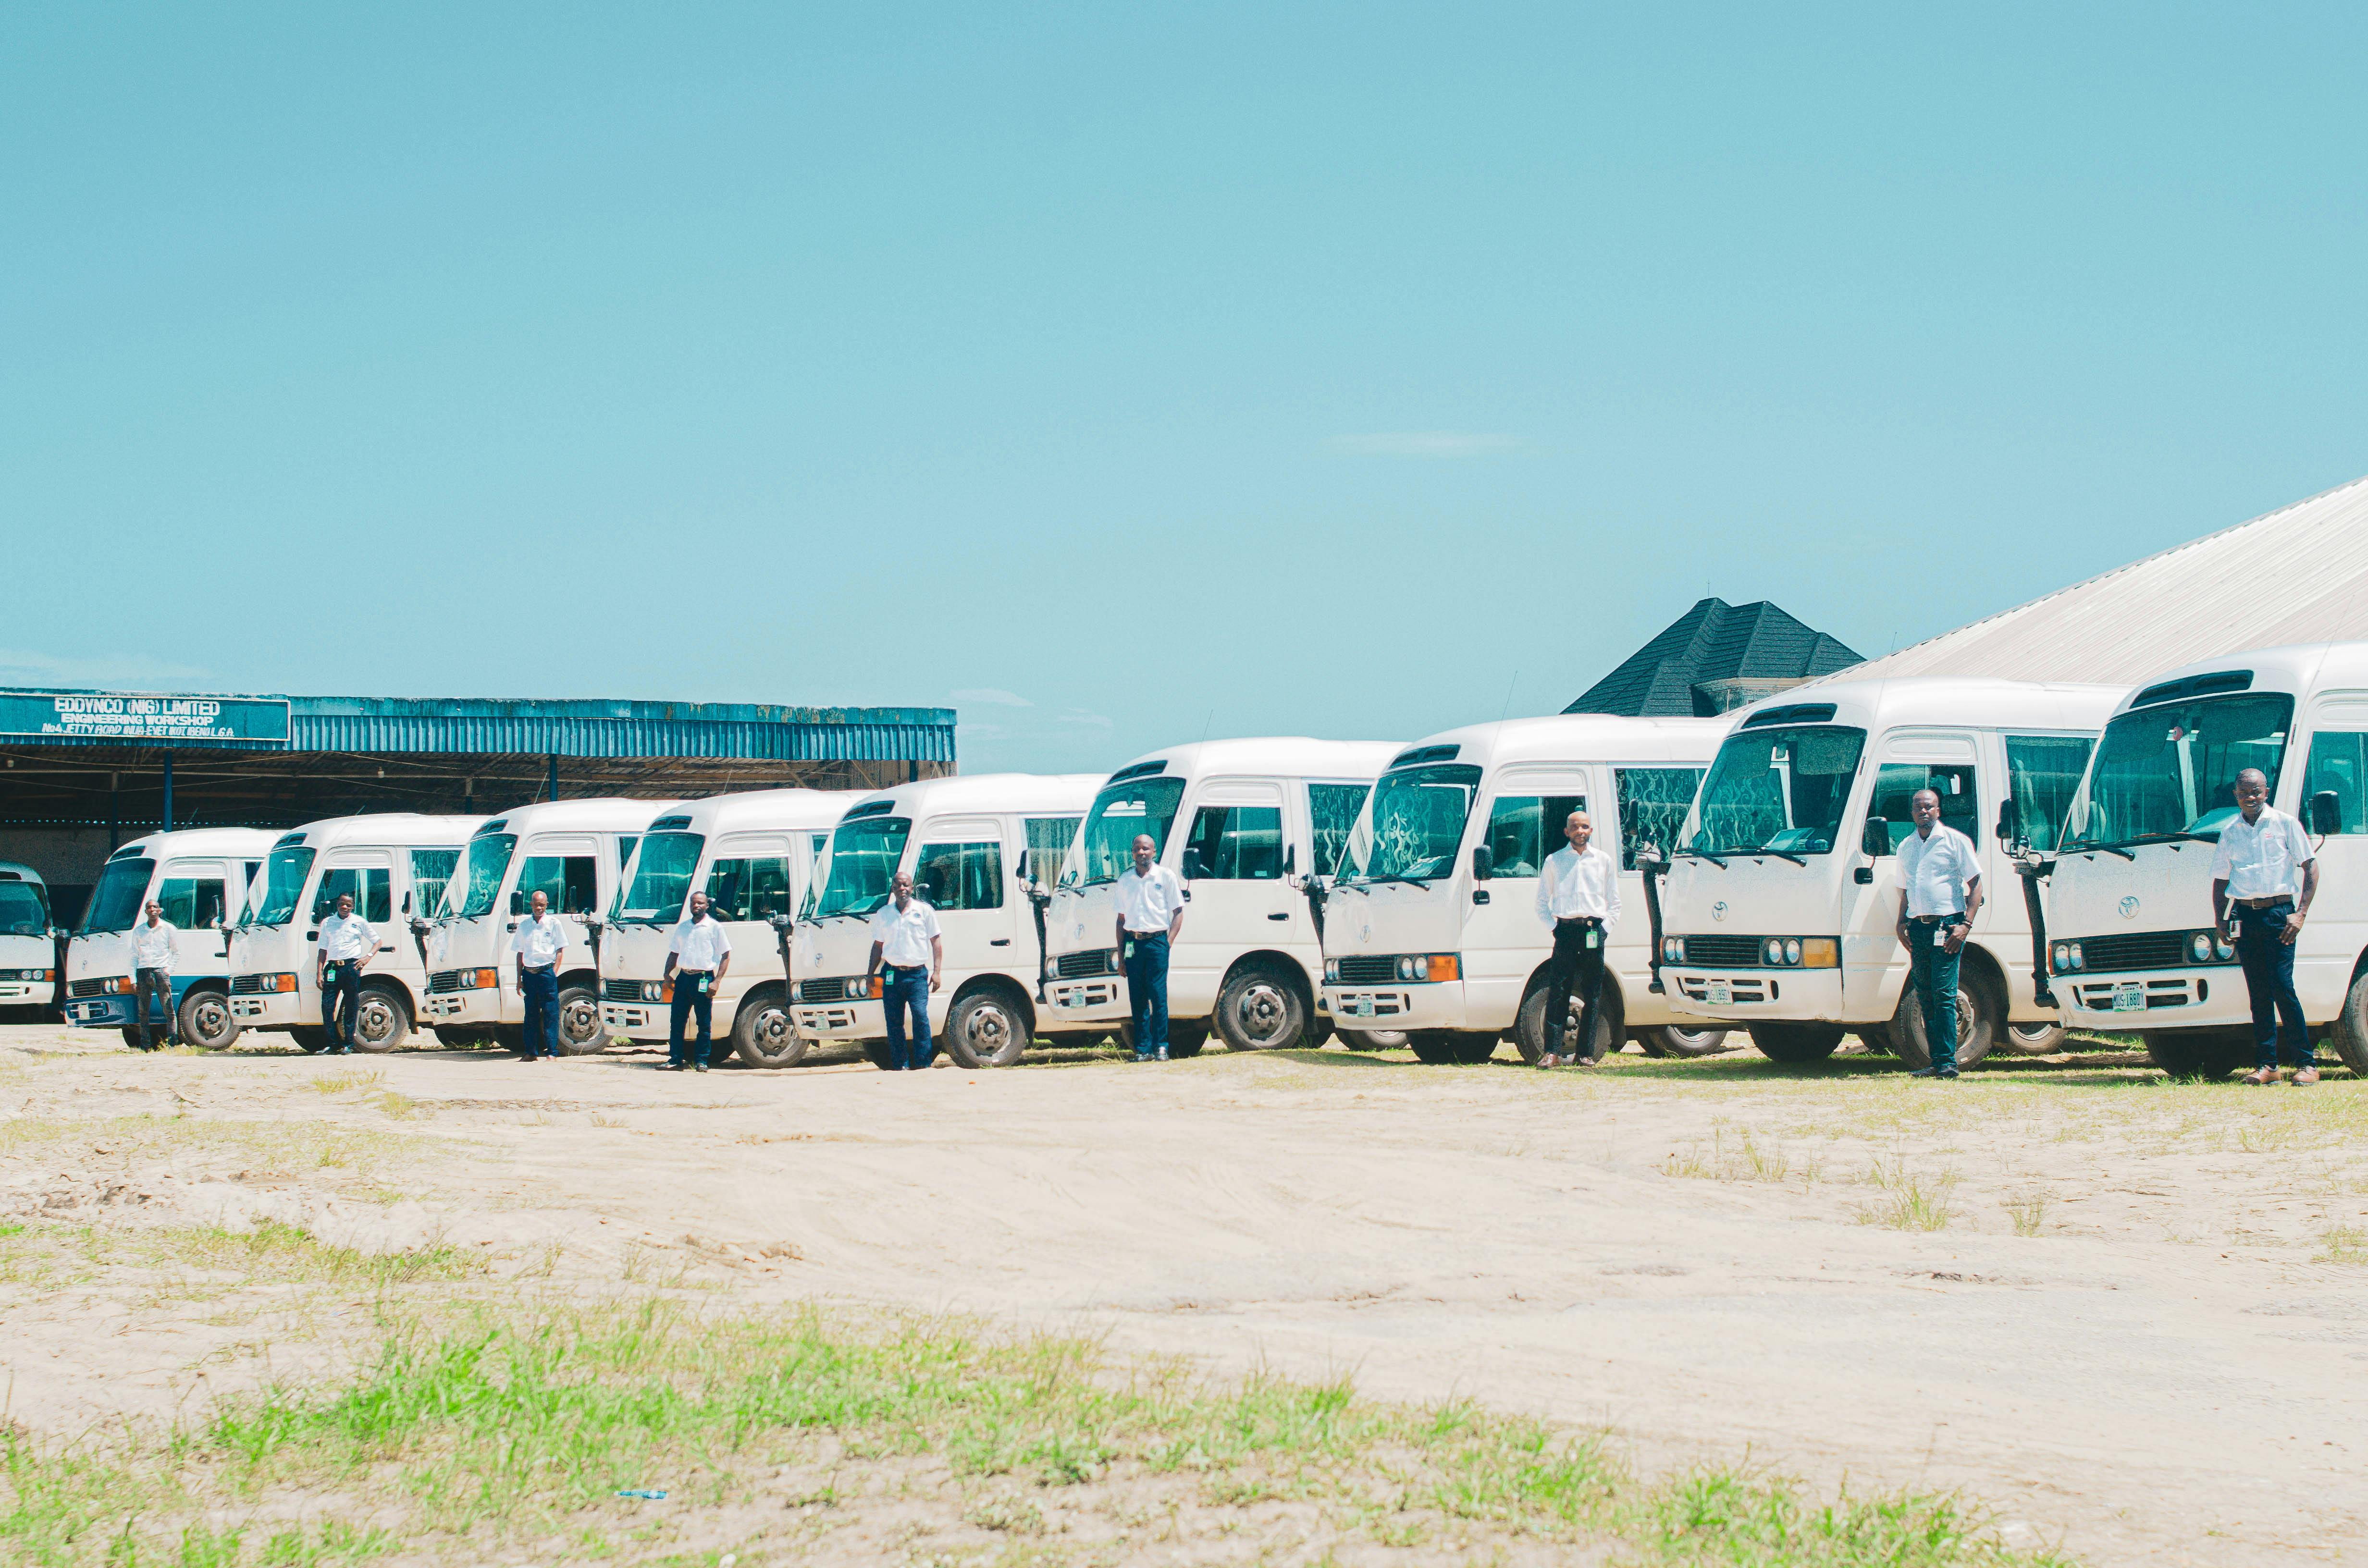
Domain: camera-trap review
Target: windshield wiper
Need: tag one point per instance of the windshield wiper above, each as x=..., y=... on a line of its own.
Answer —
x=2101, y=849
x=1705, y=855
x=1417, y=882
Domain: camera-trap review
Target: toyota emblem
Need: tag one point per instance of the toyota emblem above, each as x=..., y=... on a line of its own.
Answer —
x=2130, y=907
x=1718, y=910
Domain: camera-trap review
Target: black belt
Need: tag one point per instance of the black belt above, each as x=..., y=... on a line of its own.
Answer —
x=687, y=974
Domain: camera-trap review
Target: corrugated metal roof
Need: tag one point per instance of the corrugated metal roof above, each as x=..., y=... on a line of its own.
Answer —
x=593, y=728
x=2297, y=574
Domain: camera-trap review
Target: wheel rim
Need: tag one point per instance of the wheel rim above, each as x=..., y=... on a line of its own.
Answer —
x=579, y=1024
x=988, y=1031
x=1697, y=1039
x=1262, y=1013
x=2031, y=1034
x=208, y=1021
x=771, y=1035
x=374, y=1020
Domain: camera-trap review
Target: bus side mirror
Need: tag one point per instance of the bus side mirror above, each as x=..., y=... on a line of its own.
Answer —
x=2009, y=822
x=1875, y=837
x=2326, y=813
x=1290, y=858
x=1193, y=869
x=1483, y=864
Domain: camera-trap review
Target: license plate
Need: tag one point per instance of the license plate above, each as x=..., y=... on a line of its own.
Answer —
x=1361, y=1006
x=1722, y=993
x=2129, y=996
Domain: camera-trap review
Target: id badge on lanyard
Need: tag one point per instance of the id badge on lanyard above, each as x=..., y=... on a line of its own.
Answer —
x=1594, y=936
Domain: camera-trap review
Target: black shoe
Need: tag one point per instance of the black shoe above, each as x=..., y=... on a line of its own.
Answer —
x=1933, y=1073
x=699, y=1067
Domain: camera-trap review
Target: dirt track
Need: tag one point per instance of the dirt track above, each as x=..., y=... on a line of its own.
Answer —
x=2172, y=1369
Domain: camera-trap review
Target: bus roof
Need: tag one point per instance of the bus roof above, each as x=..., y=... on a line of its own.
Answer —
x=813, y=810
x=233, y=841
x=1288, y=757
x=605, y=814
x=1573, y=737
x=1980, y=702
x=2294, y=667
x=392, y=828
x=1061, y=792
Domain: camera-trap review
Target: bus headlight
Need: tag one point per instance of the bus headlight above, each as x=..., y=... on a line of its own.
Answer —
x=1773, y=951
x=2077, y=961
x=118, y=985
x=1792, y=949
x=2061, y=956
x=653, y=991
x=1673, y=949
x=2199, y=946
x=1331, y=971
x=1429, y=967
x=2223, y=951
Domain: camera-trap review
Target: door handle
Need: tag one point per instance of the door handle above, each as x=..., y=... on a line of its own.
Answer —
x=1479, y=895
x=387, y=949
x=1864, y=876
x=1000, y=942
x=1285, y=915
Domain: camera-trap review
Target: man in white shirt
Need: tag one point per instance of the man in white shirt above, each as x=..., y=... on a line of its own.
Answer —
x=151, y=972
x=2264, y=863
x=1941, y=891
x=537, y=945
x=910, y=957
x=1579, y=899
x=1150, y=903
x=349, y=942
x=697, y=955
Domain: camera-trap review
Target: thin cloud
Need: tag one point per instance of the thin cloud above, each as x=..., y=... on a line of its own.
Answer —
x=24, y=666
x=1078, y=716
x=1425, y=444
x=993, y=696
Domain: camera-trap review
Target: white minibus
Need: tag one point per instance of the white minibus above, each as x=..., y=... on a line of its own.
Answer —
x=2130, y=935
x=28, y=952
x=395, y=866
x=1260, y=817
x=1433, y=927
x=572, y=853
x=1781, y=904
x=203, y=876
x=974, y=847
x=752, y=854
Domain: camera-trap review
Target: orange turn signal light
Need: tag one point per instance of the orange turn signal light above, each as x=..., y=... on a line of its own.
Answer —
x=1820, y=952
x=279, y=982
x=1445, y=966
x=489, y=980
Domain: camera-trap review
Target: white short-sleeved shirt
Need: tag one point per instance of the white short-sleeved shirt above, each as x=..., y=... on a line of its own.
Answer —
x=699, y=944
x=1575, y=885
x=903, y=934
x=343, y=940
x=151, y=946
x=1937, y=870
x=2264, y=858
x=1148, y=904
x=540, y=942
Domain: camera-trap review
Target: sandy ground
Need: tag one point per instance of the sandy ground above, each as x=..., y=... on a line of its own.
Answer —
x=2170, y=1369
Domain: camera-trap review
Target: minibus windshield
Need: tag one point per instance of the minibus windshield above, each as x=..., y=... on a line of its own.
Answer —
x=1415, y=825
x=1778, y=791
x=23, y=911
x=2171, y=770
x=1105, y=846
x=283, y=884
x=661, y=881
x=115, y=903
x=860, y=865
x=479, y=886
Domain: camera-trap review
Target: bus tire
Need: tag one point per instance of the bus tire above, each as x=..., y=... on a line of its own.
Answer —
x=877, y=1049
x=1258, y=1008
x=986, y=1028
x=1372, y=1040
x=763, y=1033
x=1610, y=1029
x=2205, y=1055
x=1795, y=1043
x=1981, y=1018
x=463, y=1036
x=311, y=1038
x=205, y=1020
x=381, y=1020
x=1876, y=1037
x=1671, y=1040
x=1185, y=1039
x=2033, y=1040
x=580, y=1031
x=131, y=1037
x=1437, y=1047
x=2349, y=1034
x=1471, y=1050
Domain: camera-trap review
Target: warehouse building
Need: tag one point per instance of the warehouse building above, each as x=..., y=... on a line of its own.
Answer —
x=82, y=771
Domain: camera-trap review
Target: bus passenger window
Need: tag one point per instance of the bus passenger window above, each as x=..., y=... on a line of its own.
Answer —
x=571, y=883
x=1524, y=829
x=960, y=876
x=755, y=889
x=1235, y=844
x=2339, y=764
x=1896, y=784
x=371, y=887
x=191, y=903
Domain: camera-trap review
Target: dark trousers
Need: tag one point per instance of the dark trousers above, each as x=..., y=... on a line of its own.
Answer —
x=1579, y=967
x=1146, y=992
x=694, y=992
x=539, y=989
x=2268, y=959
x=1932, y=971
x=160, y=982
x=341, y=1002
x=906, y=993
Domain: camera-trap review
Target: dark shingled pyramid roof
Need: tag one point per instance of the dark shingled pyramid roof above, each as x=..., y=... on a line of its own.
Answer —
x=1714, y=642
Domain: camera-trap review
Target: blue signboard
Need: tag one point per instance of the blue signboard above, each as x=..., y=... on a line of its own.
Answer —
x=143, y=719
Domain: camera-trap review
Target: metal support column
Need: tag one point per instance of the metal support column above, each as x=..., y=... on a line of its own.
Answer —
x=552, y=793
x=168, y=792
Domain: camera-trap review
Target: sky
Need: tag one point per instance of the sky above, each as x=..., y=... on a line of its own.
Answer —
x=1122, y=375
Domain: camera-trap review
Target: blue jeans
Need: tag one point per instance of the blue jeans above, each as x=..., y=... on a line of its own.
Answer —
x=1147, y=992
x=905, y=991
x=539, y=989
x=694, y=992
x=341, y=1002
x=2268, y=959
x=1932, y=970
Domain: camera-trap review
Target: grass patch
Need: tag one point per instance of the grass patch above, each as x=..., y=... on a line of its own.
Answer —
x=2342, y=1244
x=515, y=1431
x=2026, y=1211
x=1909, y=1201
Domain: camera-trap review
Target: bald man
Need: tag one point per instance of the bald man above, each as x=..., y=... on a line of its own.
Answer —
x=2264, y=875
x=1578, y=897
